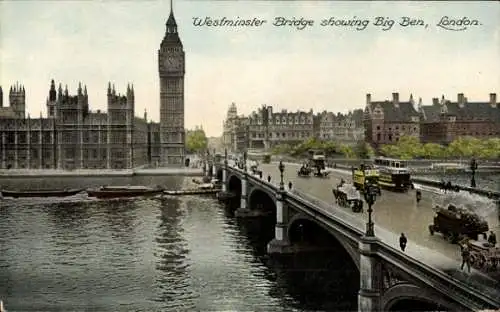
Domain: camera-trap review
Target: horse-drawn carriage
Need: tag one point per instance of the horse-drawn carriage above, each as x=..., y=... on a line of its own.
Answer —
x=254, y=168
x=318, y=162
x=346, y=195
x=456, y=223
x=304, y=171
x=484, y=256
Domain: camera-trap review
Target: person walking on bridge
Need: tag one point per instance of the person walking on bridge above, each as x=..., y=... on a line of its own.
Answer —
x=492, y=239
x=402, y=241
x=465, y=256
x=418, y=195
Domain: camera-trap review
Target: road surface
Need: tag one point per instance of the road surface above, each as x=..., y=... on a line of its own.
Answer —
x=395, y=212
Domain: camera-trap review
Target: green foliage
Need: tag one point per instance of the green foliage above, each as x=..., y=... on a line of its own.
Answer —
x=347, y=151
x=363, y=150
x=303, y=148
x=432, y=151
x=196, y=141
x=466, y=147
x=408, y=147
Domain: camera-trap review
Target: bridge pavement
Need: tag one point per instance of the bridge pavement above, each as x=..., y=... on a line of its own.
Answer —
x=395, y=213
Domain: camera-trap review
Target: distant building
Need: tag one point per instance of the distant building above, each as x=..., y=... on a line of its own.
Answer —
x=343, y=128
x=72, y=136
x=386, y=121
x=444, y=121
x=229, y=128
x=268, y=128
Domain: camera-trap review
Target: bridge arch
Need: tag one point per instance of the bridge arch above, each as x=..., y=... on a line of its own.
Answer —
x=303, y=227
x=259, y=199
x=234, y=184
x=408, y=297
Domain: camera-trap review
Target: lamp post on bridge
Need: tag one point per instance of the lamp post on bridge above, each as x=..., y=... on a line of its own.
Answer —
x=370, y=195
x=282, y=169
x=473, y=168
x=224, y=173
x=245, y=162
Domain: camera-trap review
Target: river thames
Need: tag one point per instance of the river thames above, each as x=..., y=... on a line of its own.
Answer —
x=159, y=254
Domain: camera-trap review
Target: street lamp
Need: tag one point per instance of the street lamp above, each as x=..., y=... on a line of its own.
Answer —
x=370, y=194
x=282, y=169
x=473, y=168
x=245, y=161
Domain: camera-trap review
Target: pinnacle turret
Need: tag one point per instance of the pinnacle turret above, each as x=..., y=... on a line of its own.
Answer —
x=171, y=19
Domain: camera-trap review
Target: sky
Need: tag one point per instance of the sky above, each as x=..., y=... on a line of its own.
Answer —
x=319, y=67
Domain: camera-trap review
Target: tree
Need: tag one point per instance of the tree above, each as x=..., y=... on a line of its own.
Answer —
x=329, y=147
x=433, y=150
x=347, y=151
x=390, y=150
x=196, y=141
x=464, y=147
x=409, y=147
x=363, y=150
x=490, y=149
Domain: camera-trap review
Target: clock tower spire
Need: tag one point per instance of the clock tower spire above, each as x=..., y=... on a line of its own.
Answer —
x=171, y=64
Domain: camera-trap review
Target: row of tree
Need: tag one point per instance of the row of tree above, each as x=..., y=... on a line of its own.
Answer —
x=330, y=148
x=409, y=147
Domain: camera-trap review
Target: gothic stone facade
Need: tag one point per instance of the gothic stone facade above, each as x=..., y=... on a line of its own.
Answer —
x=386, y=121
x=171, y=68
x=73, y=137
x=346, y=128
x=268, y=128
x=444, y=120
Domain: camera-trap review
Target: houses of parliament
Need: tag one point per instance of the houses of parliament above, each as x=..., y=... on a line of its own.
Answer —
x=74, y=137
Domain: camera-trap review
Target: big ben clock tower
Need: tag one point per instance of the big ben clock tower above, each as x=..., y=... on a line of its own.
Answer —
x=171, y=61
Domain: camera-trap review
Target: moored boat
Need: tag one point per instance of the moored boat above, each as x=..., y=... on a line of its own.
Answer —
x=41, y=193
x=192, y=192
x=124, y=191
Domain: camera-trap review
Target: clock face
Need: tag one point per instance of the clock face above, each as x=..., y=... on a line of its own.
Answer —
x=172, y=63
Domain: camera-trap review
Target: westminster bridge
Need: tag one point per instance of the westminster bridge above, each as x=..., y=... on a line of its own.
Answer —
x=424, y=273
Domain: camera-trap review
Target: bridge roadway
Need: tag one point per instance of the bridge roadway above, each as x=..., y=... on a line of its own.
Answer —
x=395, y=212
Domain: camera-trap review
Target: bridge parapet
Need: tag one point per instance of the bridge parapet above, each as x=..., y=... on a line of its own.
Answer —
x=398, y=275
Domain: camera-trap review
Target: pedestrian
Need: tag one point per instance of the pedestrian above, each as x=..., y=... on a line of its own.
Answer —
x=465, y=257
x=290, y=185
x=402, y=241
x=260, y=174
x=419, y=196
x=269, y=178
x=492, y=239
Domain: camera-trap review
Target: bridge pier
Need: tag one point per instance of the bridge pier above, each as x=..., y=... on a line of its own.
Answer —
x=224, y=195
x=281, y=242
x=243, y=211
x=370, y=269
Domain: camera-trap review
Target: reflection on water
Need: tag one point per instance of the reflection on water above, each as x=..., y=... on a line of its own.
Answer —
x=171, y=254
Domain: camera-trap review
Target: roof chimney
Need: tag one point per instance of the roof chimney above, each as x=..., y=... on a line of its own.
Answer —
x=493, y=100
x=395, y=99
x=435, y=101
x=460, y=100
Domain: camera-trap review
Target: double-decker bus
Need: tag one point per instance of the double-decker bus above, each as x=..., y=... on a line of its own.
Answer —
x=393, y=173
